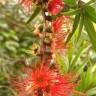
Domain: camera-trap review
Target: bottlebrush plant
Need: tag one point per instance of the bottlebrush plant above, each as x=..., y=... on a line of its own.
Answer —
x=55, y=34
x=64, y=65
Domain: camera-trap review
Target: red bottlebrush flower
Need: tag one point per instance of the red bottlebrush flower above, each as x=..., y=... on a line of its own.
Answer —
x=57, y=24
x=62, y=23
x=42, y=77
x=38, y=78
x=27, y=4
x=55, y=6
x=45, y=82
x=62, y=87
x=58, y=43
x=61, y=27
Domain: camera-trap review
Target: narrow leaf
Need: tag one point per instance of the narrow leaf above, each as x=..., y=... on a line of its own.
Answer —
x=75, y=25
x=80, y=27
x=68, y=13
x=71, y=12
x=91, y=13
x=70, y=2
x=36, y=12
x=91, y=92
x=62, y=65
x=77, y=57
x=88, y=79
x=90, y=2
x=91, y=31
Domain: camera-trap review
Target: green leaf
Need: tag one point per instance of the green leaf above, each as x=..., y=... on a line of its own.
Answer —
x=62, y=65
x=75, y=25
x=68, y=13
x=91, y=31
x=79, y=70
x=70, y=55
x=71, y=12
x=91, y=92
x=77, y=57
x=70, y=2
x=90, y=2
x=90, y=13
x=88, y=79
x=36, y=12
x=80, y=27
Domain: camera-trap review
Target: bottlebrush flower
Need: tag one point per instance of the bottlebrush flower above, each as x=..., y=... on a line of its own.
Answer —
x=58, y=44
x=62, y=23
x=55, y=6
x=42, y=77
x=62, y=87
x=27, y=4
x=61, y=28
x=44, y=82
x=38, y=78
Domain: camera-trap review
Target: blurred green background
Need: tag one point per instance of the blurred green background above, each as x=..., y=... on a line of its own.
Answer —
x=15, y=38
